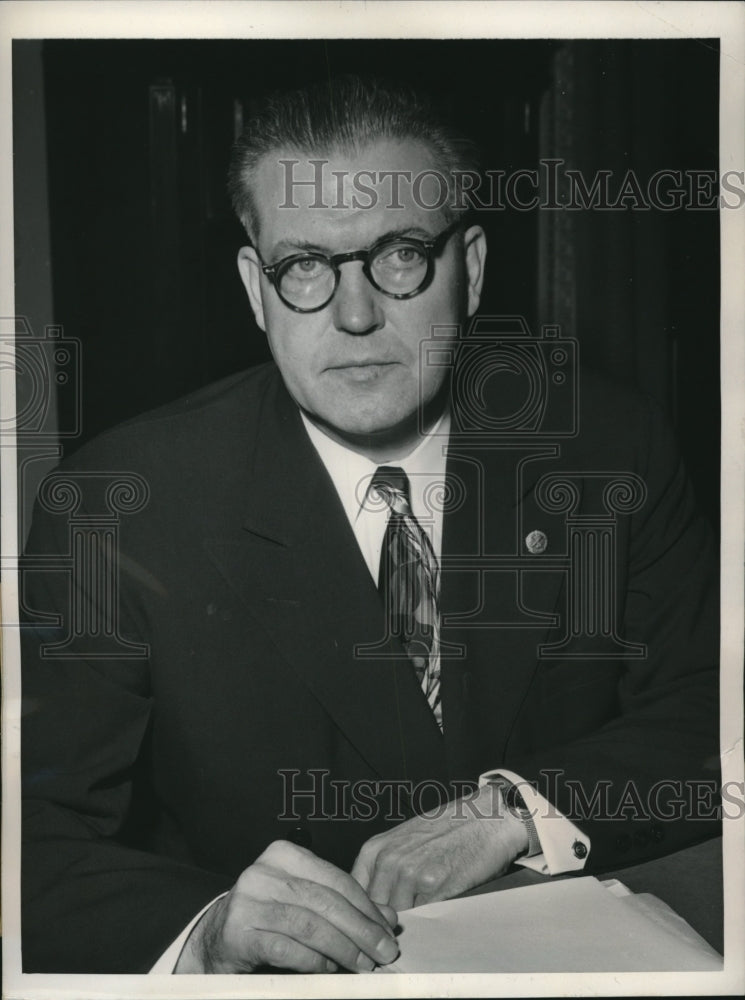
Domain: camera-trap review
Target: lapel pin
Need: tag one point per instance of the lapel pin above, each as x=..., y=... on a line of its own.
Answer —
x=536, y=542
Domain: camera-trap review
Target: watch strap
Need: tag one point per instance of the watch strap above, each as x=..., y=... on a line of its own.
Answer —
x=514, y=801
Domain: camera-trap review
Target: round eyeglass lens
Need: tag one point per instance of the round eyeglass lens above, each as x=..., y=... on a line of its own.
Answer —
x=399, y=268
x=307, y=283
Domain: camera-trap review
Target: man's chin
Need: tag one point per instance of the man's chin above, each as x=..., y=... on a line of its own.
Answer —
x=361, y=429
x=371, y=434
x=379, y=424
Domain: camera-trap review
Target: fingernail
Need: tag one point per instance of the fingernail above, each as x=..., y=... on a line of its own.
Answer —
x=387, y=948
x=331, y=966
x=365, y=963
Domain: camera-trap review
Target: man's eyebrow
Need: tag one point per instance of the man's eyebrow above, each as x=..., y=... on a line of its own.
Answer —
x=416, y=232
x=286, y=248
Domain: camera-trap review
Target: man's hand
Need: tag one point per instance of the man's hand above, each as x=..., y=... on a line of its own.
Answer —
x=291, y=910
x=441, y=853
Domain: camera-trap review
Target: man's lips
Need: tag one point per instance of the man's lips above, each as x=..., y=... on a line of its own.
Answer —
x=362, y=371
x=373, y=363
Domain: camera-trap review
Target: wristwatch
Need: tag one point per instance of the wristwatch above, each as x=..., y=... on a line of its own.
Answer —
x=516, y=805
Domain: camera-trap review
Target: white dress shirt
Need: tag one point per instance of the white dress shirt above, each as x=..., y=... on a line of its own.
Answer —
x=351, y=473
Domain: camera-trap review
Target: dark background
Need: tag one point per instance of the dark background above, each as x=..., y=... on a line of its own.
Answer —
x=142, y=242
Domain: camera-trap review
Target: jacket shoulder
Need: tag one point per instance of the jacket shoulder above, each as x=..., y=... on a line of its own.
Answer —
x=216, y=419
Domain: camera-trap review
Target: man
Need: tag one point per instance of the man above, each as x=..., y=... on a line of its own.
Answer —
x=173, y=815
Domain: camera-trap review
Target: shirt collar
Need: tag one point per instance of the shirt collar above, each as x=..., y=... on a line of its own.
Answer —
x=351, y=472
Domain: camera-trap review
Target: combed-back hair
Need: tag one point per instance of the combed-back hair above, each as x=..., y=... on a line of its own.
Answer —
x=344, y=114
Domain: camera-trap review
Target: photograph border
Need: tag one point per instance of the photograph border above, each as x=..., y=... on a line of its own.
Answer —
x=393, y=19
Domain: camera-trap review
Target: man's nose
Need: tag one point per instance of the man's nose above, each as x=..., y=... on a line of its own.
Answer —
x=356, y=306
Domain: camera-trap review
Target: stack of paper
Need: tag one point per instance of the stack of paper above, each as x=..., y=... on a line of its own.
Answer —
x=572, y=925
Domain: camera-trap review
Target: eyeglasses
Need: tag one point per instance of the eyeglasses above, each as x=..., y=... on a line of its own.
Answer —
x=399, y=267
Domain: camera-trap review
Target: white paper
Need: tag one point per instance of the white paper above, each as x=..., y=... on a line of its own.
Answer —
x=572, y=925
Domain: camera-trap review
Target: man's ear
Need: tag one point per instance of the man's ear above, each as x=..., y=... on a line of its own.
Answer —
x=249, y=266
x=474, y=243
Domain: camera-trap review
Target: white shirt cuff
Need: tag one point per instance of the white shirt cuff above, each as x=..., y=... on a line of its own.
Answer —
x=564, y=847
x=167, y=961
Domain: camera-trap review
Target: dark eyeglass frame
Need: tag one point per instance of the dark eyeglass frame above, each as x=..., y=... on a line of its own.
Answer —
x=430, y=248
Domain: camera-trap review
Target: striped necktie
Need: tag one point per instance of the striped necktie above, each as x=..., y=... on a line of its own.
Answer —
x=409, y=582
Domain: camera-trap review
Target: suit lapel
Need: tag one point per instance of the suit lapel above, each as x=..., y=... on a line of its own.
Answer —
x=497, y=610
x=296, y=564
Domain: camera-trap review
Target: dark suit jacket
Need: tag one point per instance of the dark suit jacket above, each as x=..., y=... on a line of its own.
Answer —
x=152, y=781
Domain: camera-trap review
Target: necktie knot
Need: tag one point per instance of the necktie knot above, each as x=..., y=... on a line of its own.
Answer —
x=392, y=484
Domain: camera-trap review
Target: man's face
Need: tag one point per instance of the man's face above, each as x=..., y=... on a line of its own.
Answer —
x=354, y=366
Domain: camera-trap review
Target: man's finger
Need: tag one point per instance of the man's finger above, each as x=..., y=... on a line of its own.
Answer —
x=306, y=865
x=409, y=875
x=386, y=874
x=433, y=882
x=369, y=937
x=281, y=952
x=354, y=945
x=363, y=867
